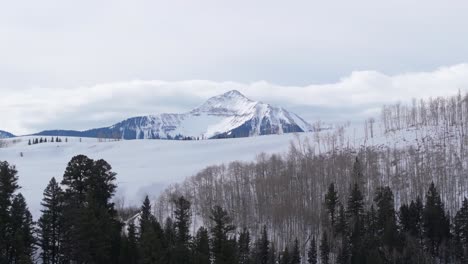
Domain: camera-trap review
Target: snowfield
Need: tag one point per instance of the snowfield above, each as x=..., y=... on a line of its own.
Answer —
x=142, y=166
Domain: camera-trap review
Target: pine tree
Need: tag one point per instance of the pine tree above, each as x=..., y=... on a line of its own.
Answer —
x=244, y=247
x=23, y=242
x=29, y=142
x=129, y=249
x=91, y=232
x=386, y=218
x=150, y=243
x=201, y=247
x=49, y=223
x=296, y=254
x=324, y=249
x=222, y=228
x=182, y=225
x=331, y=202
x=8, y=186
x=312, y=252
x=357, y=176
x=435, y=223
x=355, y=212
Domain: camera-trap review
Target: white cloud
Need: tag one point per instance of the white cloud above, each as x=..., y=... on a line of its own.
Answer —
x=351, y=98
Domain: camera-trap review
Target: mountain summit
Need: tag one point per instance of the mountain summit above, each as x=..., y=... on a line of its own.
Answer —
x=227, y=115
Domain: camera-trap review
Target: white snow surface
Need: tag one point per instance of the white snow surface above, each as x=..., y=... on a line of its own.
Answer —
x=142, y=166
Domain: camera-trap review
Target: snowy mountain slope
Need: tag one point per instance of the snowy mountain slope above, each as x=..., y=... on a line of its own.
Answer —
x=142, y=166
x=224, y=116
x=4, y=134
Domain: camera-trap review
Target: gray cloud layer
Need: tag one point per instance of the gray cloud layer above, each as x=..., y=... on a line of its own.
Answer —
x=351, y=98
x=61, y=43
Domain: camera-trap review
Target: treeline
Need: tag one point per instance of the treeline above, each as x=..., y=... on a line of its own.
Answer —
x=45, y=140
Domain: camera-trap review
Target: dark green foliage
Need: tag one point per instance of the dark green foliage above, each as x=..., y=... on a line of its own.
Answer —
x=436, y=225
x=49, y=224
x=8, y=186
x=90, y=228
x=386, y=220
x=150, y=240
x=222, y=228
x=201, y=250
x=312, y=251
x=21, y=230
x=182, y=225
x=129, y=246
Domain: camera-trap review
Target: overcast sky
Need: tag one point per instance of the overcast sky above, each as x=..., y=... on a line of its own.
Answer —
x=80, y=64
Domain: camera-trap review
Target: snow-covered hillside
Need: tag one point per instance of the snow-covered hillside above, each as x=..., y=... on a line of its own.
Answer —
x=224, y=116
x=143, y=166
x=4, y=134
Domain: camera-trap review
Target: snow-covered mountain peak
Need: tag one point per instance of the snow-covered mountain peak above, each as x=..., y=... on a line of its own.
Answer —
x=230, y=114
x=229, y=103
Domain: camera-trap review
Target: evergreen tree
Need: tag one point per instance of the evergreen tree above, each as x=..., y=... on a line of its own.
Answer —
x=436, y=225
x=312, y=252
x=8, y=186
x=296, y=254
x=244, y=247
x=129, y=248
x=169, y=241
x=202, y=247
x=49, y=223
x=182, y=227
x=386, y=219
x=150, y=236
x=23, y=242
x=222, y=228
x=29, y=142
x=91, y=232
x=331, y=202
x=355, y=213
x=324, y=249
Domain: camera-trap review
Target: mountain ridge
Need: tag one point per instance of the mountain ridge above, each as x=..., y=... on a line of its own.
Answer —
x=230, y=114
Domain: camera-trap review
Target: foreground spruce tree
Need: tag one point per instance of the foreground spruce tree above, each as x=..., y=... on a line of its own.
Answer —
x=222, y=246
x=201, y=250
x=182, y=223
x=150, y=236
x=91, y=232
x=49, y=226
x=8, y=186
x=22, y=236
x=436, y=226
